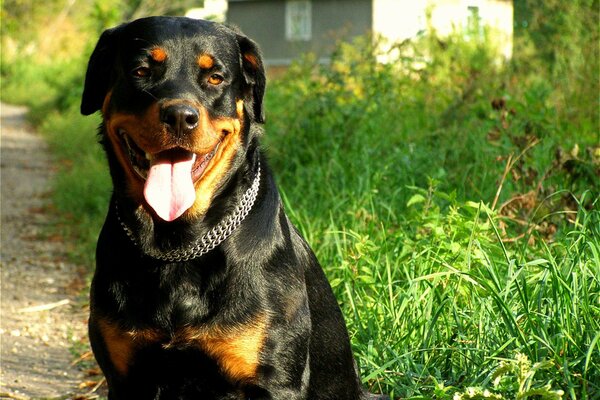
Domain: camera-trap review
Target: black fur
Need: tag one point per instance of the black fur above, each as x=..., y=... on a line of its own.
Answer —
x=265, y=269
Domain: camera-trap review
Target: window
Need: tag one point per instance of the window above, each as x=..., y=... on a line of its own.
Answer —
x=474, y=23
x=298, y=21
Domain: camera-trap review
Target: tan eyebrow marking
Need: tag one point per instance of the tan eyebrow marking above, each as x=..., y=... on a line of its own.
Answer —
x=158, y=54
x=205, y=61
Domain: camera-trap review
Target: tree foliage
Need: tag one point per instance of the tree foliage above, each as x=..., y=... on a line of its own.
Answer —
x=59, y=28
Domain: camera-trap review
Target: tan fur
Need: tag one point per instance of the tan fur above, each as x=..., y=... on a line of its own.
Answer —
x=205, y=61
x=236, y=350
x=119, y=345
x=150, y=134
x=219, y=165
x=158, y=54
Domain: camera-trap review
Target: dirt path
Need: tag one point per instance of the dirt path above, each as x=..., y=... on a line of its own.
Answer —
x=40, y=317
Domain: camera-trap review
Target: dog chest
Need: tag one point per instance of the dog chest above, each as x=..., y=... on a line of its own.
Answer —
x=236, y=350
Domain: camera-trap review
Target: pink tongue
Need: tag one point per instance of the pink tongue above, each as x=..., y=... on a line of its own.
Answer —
x=169, y=189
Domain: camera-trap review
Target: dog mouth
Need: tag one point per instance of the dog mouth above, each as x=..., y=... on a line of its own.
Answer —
x=141, y=160
x=169, y=175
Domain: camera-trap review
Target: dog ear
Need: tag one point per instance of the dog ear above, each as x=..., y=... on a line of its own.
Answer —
x=99, y=72
x=254, y=73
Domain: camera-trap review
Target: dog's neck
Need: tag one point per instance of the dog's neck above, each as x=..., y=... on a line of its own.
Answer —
x=210, y=239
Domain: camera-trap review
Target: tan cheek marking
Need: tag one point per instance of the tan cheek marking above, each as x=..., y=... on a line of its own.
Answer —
x=134, y=184
x=135, y=127
x=206, y=187
x=146, y=130
x=205, y=61
x=218, y=167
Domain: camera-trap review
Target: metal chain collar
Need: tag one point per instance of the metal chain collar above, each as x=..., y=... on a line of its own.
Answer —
x=212, y=238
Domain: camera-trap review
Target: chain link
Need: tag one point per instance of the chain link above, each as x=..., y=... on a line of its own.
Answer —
x=212, y=238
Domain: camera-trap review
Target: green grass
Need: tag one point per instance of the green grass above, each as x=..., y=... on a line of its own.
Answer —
x=82, y=186
x=391, y=175
x=445, y=302
x=462, y=240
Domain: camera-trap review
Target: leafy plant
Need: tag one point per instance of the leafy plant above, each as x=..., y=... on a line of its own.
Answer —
x=515, y=378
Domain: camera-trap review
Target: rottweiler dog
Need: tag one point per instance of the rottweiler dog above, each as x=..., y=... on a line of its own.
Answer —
x=203, y=289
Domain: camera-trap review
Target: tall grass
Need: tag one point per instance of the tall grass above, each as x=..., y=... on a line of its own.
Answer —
x=391, y=172
x=453, y=209
x=82, y=186
x=440, y=299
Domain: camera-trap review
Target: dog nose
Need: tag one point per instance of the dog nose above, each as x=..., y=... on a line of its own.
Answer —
x=180, y=118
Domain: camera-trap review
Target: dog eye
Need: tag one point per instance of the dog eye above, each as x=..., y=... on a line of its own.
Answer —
x=141, y=72
x=215, y=79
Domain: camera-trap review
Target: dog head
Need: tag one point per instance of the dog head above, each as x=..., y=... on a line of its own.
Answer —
x=178, y=97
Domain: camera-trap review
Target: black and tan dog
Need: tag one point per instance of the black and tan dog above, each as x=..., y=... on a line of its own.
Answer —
x=203, y=288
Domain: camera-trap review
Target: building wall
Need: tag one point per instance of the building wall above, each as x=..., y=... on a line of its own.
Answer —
x=447, y=15
x=398, y=20
x=331, y=20
x=499, y=14
x=214, y=10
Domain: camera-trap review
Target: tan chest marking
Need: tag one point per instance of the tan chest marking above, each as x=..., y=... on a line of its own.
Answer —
x=122, y=345
x=235, y=350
